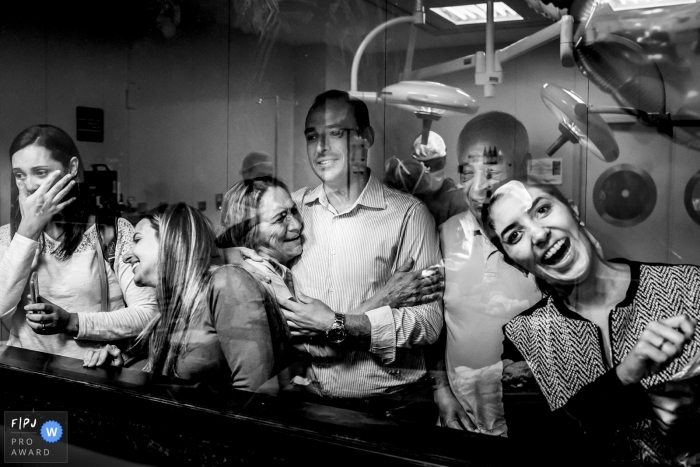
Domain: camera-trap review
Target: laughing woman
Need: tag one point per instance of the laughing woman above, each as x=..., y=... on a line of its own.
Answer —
x=216, y=322
x=609, y=336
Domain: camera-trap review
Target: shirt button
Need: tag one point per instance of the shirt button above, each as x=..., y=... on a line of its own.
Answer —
x=333, y=252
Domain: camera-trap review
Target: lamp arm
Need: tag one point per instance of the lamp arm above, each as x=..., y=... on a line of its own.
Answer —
x=532, y=41
x=418, y=17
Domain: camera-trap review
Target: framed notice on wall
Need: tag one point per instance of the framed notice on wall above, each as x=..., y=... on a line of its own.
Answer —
x=90, y=124
x=544, y=171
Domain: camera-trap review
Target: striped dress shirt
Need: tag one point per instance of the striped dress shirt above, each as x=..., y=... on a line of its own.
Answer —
x=348, y=257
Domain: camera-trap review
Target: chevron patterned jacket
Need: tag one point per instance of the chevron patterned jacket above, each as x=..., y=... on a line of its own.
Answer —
x=565, y=350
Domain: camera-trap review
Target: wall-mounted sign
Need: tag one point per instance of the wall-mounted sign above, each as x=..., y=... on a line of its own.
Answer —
x=624, y=195
x=90, y=124
x=544, y=171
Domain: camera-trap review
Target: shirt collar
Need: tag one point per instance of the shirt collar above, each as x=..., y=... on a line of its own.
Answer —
x=372, y=195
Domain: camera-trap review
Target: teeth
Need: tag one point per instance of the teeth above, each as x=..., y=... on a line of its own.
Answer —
x=554, y=249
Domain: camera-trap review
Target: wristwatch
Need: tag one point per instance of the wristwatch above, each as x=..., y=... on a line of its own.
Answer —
x=337, y=333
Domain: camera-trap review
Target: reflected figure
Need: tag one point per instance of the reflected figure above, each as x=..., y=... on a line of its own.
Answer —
x=609, y=339
x=85, y=292
x=357, y=233
x=257, y=164
x=439, y=192
x=216, y=323
x=482, y=292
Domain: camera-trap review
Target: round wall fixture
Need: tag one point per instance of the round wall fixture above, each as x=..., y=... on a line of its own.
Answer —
x=624, y=195
x=691, y=198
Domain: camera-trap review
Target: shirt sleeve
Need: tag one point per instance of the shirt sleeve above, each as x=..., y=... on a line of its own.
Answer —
x=606, y=405
x=407, y=327
x=241, y=323
x=141, y=306
x=15, y=268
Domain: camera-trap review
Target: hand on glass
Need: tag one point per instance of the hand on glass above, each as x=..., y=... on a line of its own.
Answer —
x=674, y=403
x=660, y=343
x=39, y=207
x=452, y=414
x=406, y=288
x=308, y=317
x=109, y=354
x=237, y=257
x=46, y=318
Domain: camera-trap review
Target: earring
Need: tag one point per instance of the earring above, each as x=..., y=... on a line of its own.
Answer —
x=582, y=224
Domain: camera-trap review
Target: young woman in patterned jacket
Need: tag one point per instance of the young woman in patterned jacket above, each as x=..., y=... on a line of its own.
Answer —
x=607, y=341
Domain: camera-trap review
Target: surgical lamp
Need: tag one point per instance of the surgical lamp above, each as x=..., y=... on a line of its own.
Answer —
x=590, y=131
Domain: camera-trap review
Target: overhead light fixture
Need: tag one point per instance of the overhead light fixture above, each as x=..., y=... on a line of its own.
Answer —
x=476, y=13
x=622, y=5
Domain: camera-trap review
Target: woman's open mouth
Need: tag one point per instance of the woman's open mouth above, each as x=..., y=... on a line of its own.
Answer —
x=293, y=239
x=557, y=252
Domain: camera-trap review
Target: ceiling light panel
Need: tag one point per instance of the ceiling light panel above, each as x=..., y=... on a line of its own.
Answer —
x=476, y=13
x=621, y=5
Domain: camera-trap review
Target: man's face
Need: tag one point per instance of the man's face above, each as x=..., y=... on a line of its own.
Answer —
x=482, y=169
x=334, y=144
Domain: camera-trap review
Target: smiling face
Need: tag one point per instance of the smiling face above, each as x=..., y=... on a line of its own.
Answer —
x=481, y=172
x=143, y=255
x=541, y=234
x=334, y=143
x=279, y=230
x=34, y=163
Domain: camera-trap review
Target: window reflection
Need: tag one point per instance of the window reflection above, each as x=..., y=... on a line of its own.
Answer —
x=247, y=222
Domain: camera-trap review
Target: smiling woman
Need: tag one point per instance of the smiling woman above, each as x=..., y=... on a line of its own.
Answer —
x=606, y=342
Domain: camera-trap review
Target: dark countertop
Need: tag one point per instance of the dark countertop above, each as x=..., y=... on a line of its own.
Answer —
x=132, y=415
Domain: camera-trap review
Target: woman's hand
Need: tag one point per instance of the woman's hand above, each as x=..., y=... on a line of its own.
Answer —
x=39, y=207
x=660, y=343
x=237, y=257
x=452, y=414
x=674, y=404
x=108, y=354
x=46, y=318
x=308, y=317
x=406, y=288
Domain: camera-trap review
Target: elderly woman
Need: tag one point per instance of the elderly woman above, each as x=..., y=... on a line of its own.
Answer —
x=607, y=341
x=261, y=231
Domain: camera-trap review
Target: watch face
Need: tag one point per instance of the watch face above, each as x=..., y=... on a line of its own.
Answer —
x=336, y=334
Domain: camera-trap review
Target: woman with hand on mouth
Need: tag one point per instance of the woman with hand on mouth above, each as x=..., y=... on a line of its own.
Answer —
x=85, y=292
x=609, y=336
x=216, y=322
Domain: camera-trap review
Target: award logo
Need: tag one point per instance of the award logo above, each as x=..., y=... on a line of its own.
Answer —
x=36, y=437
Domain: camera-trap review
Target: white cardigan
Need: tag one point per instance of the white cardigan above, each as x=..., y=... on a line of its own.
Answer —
x=74, y=285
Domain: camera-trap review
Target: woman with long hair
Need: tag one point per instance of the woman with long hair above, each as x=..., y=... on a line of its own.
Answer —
x=86, y=294
x=216, y=322
x=609, y=342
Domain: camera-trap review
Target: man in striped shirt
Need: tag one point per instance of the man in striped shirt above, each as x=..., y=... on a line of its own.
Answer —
x=356, y=233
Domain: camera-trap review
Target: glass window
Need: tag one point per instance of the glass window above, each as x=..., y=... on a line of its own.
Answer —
x=405, y=214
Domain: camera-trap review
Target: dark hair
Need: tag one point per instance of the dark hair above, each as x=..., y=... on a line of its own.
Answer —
x=359, y=108
x=499, y=129
x=240, y=214
x=74, y=217
x=545, y=287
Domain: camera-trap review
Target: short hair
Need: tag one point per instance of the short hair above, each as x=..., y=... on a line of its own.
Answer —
x=240, y=212
x=358, y=107
x=498, y=129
